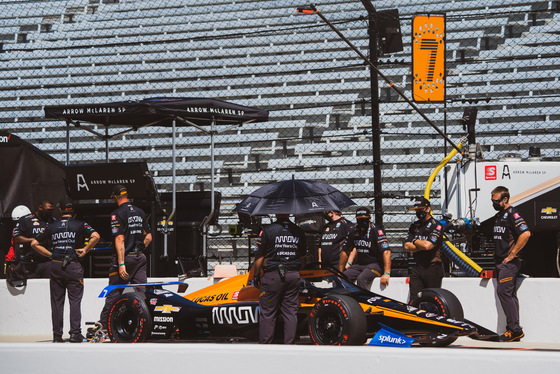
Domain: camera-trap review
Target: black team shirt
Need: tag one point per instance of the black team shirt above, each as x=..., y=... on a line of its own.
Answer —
x=508, y=225
x=430, y=230
x=333, y=240
x=65, y=236
x=281, y=242
x=369, y=244
x=129, y=221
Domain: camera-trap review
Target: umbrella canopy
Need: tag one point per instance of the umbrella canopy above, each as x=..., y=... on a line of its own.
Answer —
x=160, y=111
x=294, y=196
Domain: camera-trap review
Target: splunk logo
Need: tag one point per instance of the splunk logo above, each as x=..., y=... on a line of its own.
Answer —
x=5, y=138
x=391, y=339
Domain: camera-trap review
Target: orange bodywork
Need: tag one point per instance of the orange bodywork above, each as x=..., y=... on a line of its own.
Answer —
x=235, y=289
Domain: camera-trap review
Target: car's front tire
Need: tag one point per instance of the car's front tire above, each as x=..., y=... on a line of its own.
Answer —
x=337, y=320
x=130, y=320
x=444, y=303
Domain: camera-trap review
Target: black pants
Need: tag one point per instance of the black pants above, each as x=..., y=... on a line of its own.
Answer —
x=425, y=277
x=506, y=276
x=363, y=275
x=136, y=268
x=70, y=279
x=278, y=294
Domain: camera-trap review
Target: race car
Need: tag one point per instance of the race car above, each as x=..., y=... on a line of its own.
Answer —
x=332, y=311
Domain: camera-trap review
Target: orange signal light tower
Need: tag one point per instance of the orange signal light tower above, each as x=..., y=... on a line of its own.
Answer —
x=428, y=58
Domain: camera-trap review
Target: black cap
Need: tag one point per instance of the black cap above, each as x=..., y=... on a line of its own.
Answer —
x=119, y=190
x=363, y=212
x=66, y=204
x=420, y=203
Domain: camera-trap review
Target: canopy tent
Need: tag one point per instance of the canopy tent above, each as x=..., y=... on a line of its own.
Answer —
x=132, y=115
x=28, y=175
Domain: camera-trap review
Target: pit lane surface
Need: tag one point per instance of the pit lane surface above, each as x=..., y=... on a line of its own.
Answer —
x=33, y=354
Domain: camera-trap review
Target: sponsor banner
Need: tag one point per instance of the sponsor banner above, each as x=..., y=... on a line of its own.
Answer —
x=96, y=181
x=528, y=183
x=391, y=338
x=547, y=215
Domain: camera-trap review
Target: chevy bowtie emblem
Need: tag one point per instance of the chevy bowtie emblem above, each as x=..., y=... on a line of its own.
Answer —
x=548, y=210
x=167, y=309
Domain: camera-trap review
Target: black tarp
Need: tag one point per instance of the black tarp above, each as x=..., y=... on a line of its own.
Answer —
x=27, y=175
x=158, y=111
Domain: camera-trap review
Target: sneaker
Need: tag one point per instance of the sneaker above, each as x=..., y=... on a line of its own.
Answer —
x=57, y=339
x=76, y=338
x=510, y=336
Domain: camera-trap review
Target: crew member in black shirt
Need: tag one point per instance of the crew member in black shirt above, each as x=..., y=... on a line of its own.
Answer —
x=511, y=234
x=424, y=241
x=281, y=247
x=132, y=235
x=369, y=252
x=27, y=228
x=66, y=237
x=331, y=250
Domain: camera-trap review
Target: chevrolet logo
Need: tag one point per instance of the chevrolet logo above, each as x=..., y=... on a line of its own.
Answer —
x=548, y=210
x=167, y=309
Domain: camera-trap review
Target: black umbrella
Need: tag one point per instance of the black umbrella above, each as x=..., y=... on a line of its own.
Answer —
x=294, y=196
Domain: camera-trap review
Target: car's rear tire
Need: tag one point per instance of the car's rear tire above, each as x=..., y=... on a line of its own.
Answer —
x=129, y=319
x=442, y=302
x=337, y=320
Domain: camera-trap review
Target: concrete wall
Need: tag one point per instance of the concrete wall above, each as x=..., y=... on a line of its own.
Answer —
x=27, y=311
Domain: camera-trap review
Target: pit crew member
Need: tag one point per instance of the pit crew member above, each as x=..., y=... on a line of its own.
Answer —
x=511, y=234
x=281, y=246
x=333, y=240
x=132, y=235
x=424, y=241
x=66, y=237
x=27, y=228
x=369, y=252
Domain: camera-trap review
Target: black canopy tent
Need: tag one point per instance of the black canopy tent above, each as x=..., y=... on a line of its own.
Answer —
x=28, y=175
x=200, y=113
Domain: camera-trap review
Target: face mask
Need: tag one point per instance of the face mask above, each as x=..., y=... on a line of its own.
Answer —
x=327, y=217
x=45, y=214
x=421, y=214
x=363, y=223
x=497, y=207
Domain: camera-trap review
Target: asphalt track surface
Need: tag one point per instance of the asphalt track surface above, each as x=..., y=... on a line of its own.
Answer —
x=36, y=354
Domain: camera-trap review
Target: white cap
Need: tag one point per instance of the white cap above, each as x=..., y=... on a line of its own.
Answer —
x=20, y=211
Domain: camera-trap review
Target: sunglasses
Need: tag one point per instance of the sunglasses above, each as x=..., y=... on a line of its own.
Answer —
x=497, y=201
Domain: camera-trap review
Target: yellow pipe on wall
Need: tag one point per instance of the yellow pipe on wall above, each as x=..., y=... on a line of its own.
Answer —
x=427, y=190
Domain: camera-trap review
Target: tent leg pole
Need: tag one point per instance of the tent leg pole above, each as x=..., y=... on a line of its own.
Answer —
x=212, y=202
x=173, y=181
x=67, y=143
x=107, y=144
x=173, y=193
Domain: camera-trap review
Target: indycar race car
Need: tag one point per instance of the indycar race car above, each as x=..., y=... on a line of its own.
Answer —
x=332, y=311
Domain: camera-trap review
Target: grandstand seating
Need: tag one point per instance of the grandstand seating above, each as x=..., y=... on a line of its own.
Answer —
x=262, y=54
